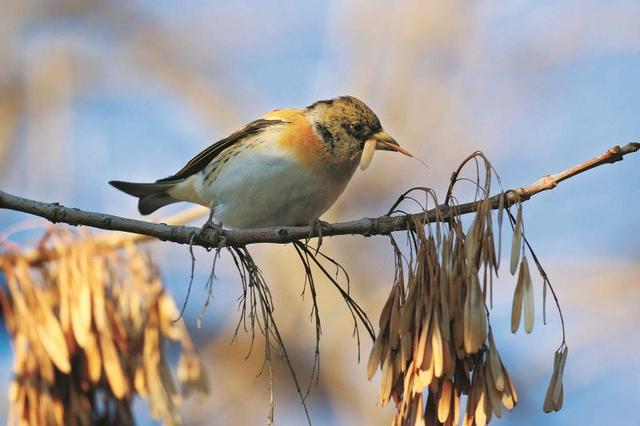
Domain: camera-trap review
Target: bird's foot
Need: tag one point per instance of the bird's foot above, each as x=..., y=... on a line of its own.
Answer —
x=317, y=227
x=211, y=228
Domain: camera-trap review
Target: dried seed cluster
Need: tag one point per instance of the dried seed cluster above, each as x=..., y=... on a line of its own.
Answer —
x=434, y=330
x=435, y=342
x=88, y=331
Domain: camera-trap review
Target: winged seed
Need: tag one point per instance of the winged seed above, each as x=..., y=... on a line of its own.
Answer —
x=367, y=154
x=516, y=242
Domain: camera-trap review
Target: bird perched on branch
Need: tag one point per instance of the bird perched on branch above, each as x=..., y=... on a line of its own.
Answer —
x=286, y=168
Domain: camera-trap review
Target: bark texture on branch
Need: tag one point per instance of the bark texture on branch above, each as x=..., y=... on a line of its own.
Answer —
x=382, y=225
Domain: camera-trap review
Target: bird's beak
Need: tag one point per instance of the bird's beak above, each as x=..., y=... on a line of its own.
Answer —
x=384, y=142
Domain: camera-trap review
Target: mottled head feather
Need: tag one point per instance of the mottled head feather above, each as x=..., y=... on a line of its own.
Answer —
x=344, y=124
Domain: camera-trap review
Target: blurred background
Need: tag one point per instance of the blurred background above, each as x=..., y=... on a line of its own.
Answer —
x=98, y=90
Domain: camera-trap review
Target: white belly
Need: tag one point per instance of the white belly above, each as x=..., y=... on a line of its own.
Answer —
x=262, y=187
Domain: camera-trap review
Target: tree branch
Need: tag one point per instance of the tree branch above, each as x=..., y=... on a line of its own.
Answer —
x=382, y=225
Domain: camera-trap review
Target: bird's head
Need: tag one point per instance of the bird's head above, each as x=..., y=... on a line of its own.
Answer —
x=346, y=125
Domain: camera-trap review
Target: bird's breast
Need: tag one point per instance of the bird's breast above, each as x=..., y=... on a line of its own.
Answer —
x=268, y=185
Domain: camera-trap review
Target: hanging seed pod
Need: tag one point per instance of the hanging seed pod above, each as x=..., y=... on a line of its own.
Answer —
x=500, y=220
x=375, y=358
x=113, y=367
x=394, y=322
x=475, y=316
x=94, y=360
x=472, y=240
x=495, y=365
x=436, y=345
x=424, y=338
x=407, y=314
x=509, y=396
x=527, y=296
x=516, y=307
x=494, y=396
x=385, y=316
x=444, y=401
x=523, y=299
x=554, y=397
x=516, y=242
x=481, y=412
x=387, y=380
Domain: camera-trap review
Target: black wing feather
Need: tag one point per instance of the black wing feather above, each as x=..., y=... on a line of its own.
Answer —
x=200, y=161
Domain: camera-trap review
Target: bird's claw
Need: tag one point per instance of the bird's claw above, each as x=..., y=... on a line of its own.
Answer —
x=213, y=227
x=317, y=226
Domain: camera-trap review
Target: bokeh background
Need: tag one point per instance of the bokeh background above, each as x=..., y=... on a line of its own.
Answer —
x=97, y=90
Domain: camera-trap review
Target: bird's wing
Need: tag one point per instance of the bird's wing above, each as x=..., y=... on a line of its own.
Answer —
x=200, y=161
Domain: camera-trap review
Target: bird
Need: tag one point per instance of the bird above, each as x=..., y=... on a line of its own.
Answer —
x=286, y=168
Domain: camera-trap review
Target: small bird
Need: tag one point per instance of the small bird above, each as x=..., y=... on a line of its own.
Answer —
x=283, y=169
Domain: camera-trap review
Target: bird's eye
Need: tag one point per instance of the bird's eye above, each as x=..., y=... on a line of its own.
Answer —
x=358, y=127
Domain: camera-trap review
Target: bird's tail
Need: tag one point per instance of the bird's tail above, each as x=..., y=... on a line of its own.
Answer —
x=151, y=196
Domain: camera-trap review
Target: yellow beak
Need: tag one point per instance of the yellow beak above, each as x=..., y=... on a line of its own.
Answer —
x=384, y=142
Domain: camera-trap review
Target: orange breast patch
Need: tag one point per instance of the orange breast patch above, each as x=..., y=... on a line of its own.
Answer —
x=298, y=136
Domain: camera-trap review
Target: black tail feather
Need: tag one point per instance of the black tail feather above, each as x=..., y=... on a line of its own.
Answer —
x=151, y=203
x=152, y=195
